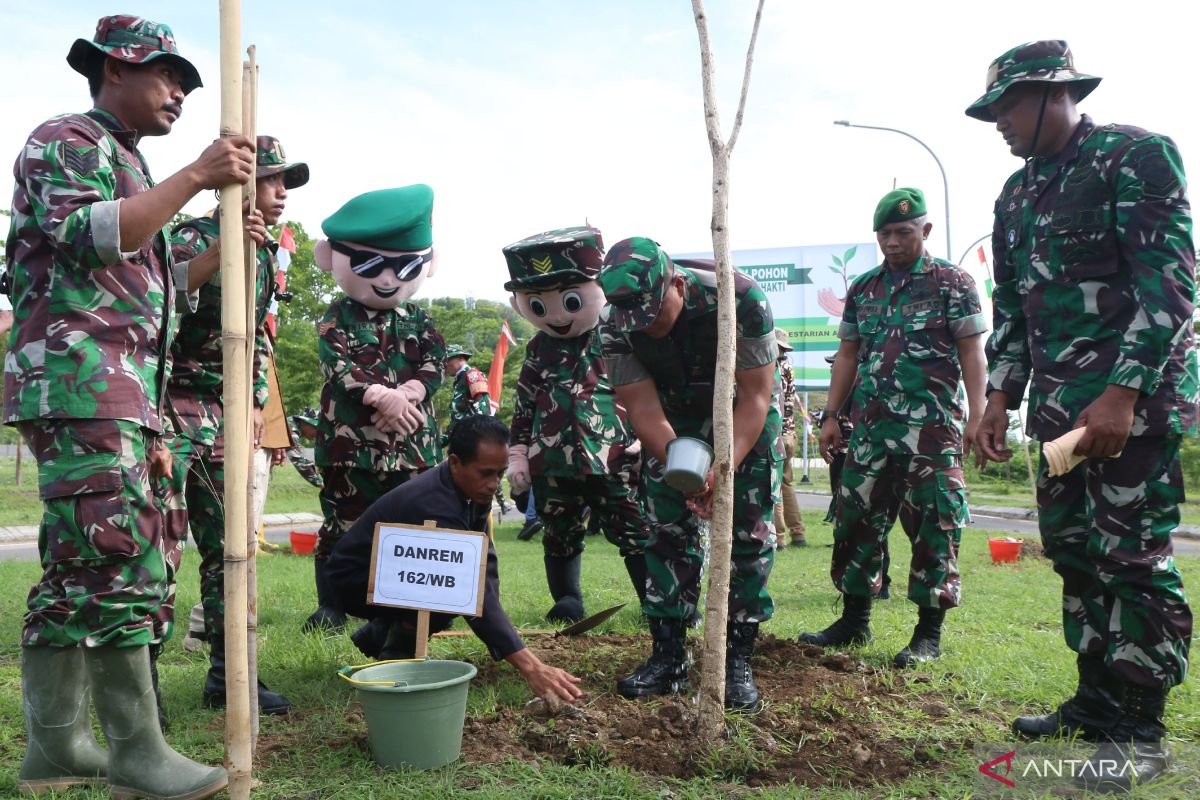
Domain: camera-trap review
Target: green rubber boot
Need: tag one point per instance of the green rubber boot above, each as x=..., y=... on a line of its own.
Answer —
x=61, y=751
x=140, y=762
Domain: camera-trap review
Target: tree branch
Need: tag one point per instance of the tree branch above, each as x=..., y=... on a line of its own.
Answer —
x=737, y=120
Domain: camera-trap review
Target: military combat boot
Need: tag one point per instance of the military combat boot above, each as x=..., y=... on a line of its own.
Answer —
x=665, y=672
x=562, y=577
x=270, y=703
x=370, y=638
x=636, y=567
x=853, y=627
x=155, y=650
x=1088, y=715
x=401, y=643
x=740, y=692
x=926, y=642
x=140, y=762
x=1134, y=754
x=60, y=751
x=329, y=614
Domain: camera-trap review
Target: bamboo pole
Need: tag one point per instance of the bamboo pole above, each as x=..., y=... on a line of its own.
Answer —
x=238, y=753
x=250, y=253
x=712, y=680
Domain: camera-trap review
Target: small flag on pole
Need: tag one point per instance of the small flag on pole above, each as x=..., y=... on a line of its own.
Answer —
x=988, y=283
x=496, y=372
x=283, y=258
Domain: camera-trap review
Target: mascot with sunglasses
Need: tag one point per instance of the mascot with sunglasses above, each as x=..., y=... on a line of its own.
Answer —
x=569, y=438
x=382, y=361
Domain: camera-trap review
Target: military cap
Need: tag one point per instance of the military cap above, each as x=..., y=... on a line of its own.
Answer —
x=458, y=350
x=136, y=41
x=634, y=278
x=272, y=161
x=1047, y=61
x=899, y=205
x=387, y=219
x=306, y=417
x=781, y=336
x=562, y=257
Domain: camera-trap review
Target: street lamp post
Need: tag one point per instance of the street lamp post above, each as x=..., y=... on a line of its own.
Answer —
x=945, y=183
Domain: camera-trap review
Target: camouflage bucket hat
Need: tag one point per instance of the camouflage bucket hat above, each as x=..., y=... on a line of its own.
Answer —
x=272, y=161
x=562, y=257
x=135, y=40
x=306, y=417
x=781, y=337
x=1047, y=61
x=458, y=350
x=634, y=278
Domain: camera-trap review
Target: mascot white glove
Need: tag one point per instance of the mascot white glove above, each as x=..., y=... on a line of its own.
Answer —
x=394, y=411
x=518, y=468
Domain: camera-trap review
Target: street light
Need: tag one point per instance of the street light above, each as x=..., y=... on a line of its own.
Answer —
x=945, y=183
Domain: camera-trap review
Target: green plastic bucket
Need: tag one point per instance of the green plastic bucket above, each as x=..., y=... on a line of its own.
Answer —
x=415, y=710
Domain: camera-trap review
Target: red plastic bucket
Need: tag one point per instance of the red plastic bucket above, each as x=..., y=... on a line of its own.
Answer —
x=303, y=543
x=1005, y=550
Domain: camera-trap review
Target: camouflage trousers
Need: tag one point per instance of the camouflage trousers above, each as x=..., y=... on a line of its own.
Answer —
x=348, y=492
x=787, y=510
x=928, y=494
x=675, y=549
x=613, y=499
x=105, y=573
x=1107, y=527
x=195, y=501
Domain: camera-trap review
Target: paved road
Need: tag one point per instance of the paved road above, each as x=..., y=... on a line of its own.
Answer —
x=27, y=551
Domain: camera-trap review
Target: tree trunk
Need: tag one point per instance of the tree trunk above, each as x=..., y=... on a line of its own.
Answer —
x=712, y=677
x=235, y=351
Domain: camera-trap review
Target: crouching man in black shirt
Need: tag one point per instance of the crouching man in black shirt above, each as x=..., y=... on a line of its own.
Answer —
x=457, y=494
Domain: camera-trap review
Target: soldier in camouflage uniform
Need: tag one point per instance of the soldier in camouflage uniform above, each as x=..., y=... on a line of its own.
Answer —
x=570, y=439
x=1095, y=285
x=304, y=425
x=913, y=327
x=787, y=510
x=659, y=339
x=470, y=392
x=94, y=293
x=382, y=360
x=197, y=485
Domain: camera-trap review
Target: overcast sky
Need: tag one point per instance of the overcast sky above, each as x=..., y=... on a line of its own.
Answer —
x=526, y=115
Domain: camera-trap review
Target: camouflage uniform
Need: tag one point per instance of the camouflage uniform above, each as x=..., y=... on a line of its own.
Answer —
x=304, y=465
x=905, y=456
x=1095, y=285
x=83, y=378
x=577, y=437
x=360, y=346
x=196, y=489
x=787, y=510
x=470, y=396
x=682, y=368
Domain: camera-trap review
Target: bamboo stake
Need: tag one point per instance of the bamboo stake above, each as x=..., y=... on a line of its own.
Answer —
x=238, y=754
x=712, y=680
x=250, y=126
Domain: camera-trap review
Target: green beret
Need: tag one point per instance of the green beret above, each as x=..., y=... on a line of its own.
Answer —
x=562, y=257
x=387, y=219
x=899, y=205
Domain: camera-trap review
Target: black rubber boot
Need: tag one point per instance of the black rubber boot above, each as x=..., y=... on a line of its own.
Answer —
x=1088, y=715
x=740, y=692
x=853, y=627
x=636, y=567
x=155, y=651
x=529, y=529
x=665, y=672
x=270, y=703
x=329, y=614
x=562, y=576
x=140, y=762
x=60, y=751
x=371, y=637
x=926, y=642
x=401, y=643
x=1134, y=754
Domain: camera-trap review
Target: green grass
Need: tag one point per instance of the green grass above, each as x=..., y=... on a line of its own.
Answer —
x=1004, y=651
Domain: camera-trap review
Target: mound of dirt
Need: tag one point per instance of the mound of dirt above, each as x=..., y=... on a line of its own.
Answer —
x=825, y=720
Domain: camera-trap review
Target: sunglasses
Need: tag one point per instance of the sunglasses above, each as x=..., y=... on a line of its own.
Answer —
x=369, y=264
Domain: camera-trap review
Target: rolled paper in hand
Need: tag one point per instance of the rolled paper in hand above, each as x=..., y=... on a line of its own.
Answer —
x=1060, y=453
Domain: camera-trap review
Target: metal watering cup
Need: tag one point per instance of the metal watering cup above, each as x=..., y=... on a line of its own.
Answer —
x=688, y=462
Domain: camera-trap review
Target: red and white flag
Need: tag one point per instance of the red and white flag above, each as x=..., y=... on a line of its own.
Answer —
x=283, y=258
x=496, y=372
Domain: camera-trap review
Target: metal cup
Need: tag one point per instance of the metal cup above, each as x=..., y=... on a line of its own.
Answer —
x=688, y=462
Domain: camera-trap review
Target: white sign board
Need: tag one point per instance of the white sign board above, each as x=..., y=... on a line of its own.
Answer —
x=428, y=569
